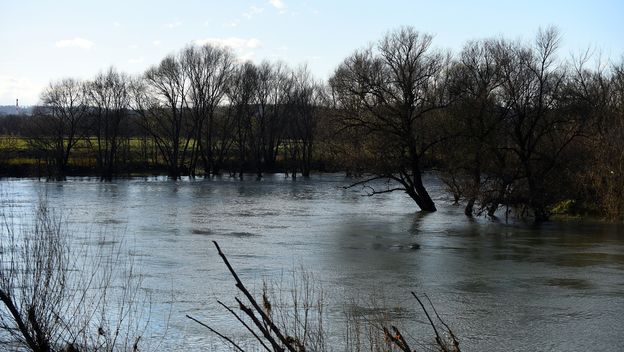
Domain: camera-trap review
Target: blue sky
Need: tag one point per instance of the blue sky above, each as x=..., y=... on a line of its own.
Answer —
x=42, y=41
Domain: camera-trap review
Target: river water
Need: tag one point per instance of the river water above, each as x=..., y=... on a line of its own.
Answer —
x=500, y=286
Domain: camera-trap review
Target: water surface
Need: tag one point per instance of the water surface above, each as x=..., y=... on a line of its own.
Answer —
x=513, y=287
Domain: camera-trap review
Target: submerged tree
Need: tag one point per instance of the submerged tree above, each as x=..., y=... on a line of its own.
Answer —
x=538, y=132
x=391, y=93
x=474, y=122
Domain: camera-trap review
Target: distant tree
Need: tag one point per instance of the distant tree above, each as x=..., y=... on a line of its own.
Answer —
x=109, y=104
x=208, y=69
x=391, y=93
x=274, y=85
x=59, y=123
x=241, y=94
x=306, y=101
x=159, y=98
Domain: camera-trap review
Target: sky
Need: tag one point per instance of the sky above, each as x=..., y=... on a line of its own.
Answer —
x=44, y=41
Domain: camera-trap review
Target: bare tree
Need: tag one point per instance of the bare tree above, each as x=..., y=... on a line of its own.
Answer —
x=274, y=86
x=241, y=95
x=160, y=100
x=58, y=124
x=598, y=96
x=391, y=92
x=208, y=69
x=531, y=83
x=109, y=102
x=475, y=121
x=306, y=101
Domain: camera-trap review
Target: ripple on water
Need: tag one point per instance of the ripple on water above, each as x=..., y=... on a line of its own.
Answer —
x=240, y=234
x=202, y=232
x=577, y=284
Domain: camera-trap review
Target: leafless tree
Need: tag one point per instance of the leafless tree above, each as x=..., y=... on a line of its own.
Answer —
x=532, y=79
x=58, y=124
x=160, y=99
x=109, y=103
x=597, y=95
x=306, y=101
x=274, y=85
x=392, y=92
x=208, y=69
x=475, y=119
x=241, y=95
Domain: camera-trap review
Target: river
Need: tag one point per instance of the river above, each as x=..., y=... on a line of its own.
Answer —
x=500, y=286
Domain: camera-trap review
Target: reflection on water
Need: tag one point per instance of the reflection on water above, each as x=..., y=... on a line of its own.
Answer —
x=559, y=286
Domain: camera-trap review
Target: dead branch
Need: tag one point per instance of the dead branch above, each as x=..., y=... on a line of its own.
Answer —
x=216, y=333
x=239, y=284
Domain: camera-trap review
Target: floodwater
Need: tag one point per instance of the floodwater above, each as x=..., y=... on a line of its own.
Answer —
x=500, y=286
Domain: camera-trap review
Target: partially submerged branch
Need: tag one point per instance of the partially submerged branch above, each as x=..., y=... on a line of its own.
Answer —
x=287, y=337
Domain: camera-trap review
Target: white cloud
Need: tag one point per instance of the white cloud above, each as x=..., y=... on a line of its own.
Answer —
x=116, y=24
x=75, y=43
x=137, y=60
x=278, y=4
x=156, y=43
x=232, y=42
x=253, y=10
x=133, y=46
x=173, y=24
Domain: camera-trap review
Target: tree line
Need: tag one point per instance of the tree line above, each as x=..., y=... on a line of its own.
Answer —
x=509, y=124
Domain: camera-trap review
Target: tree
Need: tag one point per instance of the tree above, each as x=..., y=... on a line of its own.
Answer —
x=274, y=85
x=109, y=103
x=391, y=93
x=58, y=124
x=208, y=69
x=474, y=121
x=159, y=98
x=306, y=100
x=538, y=133
x=598, y=96
x=241, y=94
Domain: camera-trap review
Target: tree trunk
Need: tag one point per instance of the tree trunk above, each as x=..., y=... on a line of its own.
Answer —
x=469, y=207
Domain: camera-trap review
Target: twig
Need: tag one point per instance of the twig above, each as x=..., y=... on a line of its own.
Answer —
x=397, y=338
x=243, y=289
x=245, y=325
x=438, y=338
x=216, y=332
x=455, y=341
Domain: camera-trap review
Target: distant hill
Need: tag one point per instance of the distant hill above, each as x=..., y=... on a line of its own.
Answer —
x=10, y=110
